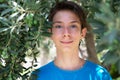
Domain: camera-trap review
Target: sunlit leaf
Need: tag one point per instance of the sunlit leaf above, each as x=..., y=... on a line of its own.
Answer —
x=21, y=17
x=14, y=14
x=14, y=3
x=3, y=29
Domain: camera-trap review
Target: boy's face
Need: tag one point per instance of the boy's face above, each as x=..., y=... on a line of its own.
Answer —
x=66, y=30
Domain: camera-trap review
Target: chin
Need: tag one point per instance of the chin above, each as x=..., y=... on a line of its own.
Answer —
x=66, y=49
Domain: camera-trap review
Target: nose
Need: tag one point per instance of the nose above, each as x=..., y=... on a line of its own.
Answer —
x=66, y=32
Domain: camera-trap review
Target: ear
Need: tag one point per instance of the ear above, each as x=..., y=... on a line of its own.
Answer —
x=50, y=33
x=50, y=30
x=84, y=31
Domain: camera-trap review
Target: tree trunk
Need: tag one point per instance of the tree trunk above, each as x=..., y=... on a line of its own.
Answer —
x=90, y=44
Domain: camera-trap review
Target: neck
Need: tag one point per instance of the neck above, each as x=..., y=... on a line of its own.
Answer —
x=68, y=61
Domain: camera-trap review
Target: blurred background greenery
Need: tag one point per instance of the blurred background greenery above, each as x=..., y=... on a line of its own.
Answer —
x=23, y=33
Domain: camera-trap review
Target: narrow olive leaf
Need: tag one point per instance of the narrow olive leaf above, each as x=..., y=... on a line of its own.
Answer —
x=3, y=29
x=119, y=66
x=6, y=11
x=21, y=17
x=3, y=6
x=4, y=21
x=14, y=14
x=12, y=29
x=16, y=6
x=14, y=3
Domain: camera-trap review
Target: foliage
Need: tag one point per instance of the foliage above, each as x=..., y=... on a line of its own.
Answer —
x=21, y=30
x=104, y=17
x=109, y=45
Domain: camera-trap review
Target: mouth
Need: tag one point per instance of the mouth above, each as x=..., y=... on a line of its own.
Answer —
x=66, y=42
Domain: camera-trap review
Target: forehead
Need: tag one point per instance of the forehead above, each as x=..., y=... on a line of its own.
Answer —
x=65, y=15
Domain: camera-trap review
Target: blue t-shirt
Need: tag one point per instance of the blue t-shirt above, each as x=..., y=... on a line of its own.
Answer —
x=89, y=71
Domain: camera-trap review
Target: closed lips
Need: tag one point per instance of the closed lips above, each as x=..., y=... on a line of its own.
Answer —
x=66, y=42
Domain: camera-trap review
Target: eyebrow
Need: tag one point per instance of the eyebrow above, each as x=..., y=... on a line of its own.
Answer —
x=75, y=21
x=57, y=22
x=70, y=22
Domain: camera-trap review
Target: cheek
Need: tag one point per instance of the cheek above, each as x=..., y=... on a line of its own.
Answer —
x=77, y=35
x=77, y=39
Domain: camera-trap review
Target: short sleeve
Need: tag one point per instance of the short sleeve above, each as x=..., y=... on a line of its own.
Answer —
x=102, y=74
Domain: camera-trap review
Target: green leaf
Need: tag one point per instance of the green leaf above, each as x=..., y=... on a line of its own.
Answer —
x=10, y=77
x=14, y=14
x=3, y=29
x=3, y=5
x=4, y=53
x=6, y=11
x=5, y=21
x=110, y=58
x=119, y=65
x=21, y=17
x=15, y=4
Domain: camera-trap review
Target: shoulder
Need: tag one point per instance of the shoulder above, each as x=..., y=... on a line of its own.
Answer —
x=42, y=72
x=92, y=65
x=96, y=67
x=98, y=71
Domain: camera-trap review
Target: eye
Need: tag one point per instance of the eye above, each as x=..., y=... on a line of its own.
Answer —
x=58, y=26
x=73, y=26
